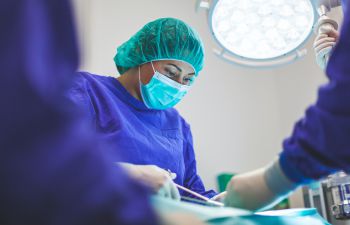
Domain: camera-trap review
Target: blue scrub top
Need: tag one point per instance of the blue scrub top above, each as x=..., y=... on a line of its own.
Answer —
x=137, y=134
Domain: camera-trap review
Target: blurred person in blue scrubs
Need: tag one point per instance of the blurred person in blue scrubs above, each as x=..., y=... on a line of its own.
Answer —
x=52, y=169
x=134, y=113
x=320, y=143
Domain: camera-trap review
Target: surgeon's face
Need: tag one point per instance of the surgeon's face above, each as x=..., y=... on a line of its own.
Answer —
x=178, y=71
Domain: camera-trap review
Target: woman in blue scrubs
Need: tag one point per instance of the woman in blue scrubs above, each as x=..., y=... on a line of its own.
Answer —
x=134, y=113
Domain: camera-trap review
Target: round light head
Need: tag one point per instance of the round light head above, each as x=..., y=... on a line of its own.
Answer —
x=261, y=29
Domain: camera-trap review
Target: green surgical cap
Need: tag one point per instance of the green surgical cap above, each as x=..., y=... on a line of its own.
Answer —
x=162, y=39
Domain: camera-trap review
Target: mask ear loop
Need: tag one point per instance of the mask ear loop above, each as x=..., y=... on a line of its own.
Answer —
x=139, y=76
x=140, y=83
x=154, y=71
x=140, y=86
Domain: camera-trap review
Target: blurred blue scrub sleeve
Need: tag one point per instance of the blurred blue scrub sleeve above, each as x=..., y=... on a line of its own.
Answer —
x=52, y=171
x=137, y=134
x=320, y=143
x=344, y=6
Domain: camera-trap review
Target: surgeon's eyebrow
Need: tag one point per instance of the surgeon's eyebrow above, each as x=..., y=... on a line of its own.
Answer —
x=178, y=68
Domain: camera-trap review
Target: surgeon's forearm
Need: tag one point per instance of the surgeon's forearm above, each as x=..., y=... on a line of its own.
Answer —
x=129, y=168
x=177, y=218
x=259, y=189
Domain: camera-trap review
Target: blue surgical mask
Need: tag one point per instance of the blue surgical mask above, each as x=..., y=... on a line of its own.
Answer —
x=162, y=92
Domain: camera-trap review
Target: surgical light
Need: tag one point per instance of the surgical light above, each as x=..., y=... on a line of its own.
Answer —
x=260, y=33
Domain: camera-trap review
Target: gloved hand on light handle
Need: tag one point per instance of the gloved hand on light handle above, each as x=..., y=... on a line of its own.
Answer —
x=325, y=40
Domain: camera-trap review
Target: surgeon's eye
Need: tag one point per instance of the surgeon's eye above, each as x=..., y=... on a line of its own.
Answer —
x=171, y=74
x=188, y=80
